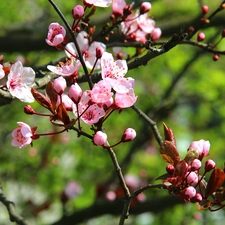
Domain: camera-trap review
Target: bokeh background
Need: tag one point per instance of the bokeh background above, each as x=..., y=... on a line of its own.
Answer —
x=183, y=88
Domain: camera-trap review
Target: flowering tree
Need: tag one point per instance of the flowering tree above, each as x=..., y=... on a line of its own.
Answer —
x=82, y=92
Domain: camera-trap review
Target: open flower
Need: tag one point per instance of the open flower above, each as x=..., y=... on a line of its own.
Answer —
x=88, y=52
x=20, y=80
x=22, y=136
x=66, y=69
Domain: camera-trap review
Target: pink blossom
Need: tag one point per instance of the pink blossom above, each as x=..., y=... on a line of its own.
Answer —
x=99, y=3
x=114, y=71
x=117, y=7
x=101, y=92
x=92, y=114
x=136, y=27
x=66, y=69
x=88, y=52
x=75, y=92
x=202, y=147
x=59, y=85
x=125, y=100
x=100, y=138
x=20, y=80
x=128, y=135
x=56, y=34
x=2, y=72
x=22, y=136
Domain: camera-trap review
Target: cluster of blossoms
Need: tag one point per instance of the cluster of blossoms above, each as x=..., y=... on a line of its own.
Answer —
x=186, y=178
x=113, y=91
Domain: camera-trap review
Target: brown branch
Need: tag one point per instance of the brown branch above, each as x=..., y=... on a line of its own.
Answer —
x=14, y=217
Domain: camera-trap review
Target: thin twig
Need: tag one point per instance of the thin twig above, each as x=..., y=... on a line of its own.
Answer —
x=14, y=217
x=151, y=123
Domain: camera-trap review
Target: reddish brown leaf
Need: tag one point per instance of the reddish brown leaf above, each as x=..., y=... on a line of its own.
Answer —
x=168, y=133
x=42, y=99
x=216, y=180
x=53, y=96
x=62, y=114
x=169, y=153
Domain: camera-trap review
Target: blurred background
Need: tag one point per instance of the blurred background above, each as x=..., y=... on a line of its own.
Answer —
x=183, y=88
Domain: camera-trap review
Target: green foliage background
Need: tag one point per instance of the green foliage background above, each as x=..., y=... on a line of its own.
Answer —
x=194, y=110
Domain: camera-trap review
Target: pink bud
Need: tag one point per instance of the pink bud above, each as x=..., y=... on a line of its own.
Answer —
x=192, y=178
x=78, y=12
x=209, y=165
x=205, y=9
x=100, y=138
x=145, y=7
x=170, y=169
x=198, y=197
x=196, y=164
x=190, y=192
x=75, y=93
x=156, y=34
x=59, y=85
x=128, y=135
x=99, y=52
x=201, y=36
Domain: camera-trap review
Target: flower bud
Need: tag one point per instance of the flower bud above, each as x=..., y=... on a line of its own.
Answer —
x=29, y=110
x=192, y=178
x=145, y=7
x=215, y=57
x=156, y=34
x=209, y=165
x=205, y=9
x=100, y=138
x=201, y=36
x=170, y=169
x=75, y=93
x=59, y=85
x=78, y=12
x=128, y=135
x=196, y=164
x=99, y=52
x=190, y=192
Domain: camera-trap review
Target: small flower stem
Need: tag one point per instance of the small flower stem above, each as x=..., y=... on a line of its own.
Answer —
x=52, y=133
